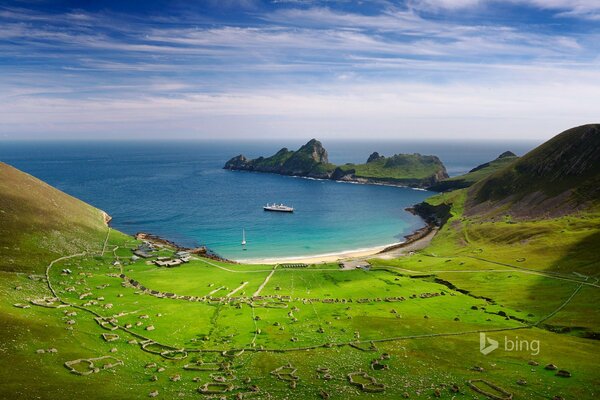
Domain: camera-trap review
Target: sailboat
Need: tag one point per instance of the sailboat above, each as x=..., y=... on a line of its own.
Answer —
x=244, y=238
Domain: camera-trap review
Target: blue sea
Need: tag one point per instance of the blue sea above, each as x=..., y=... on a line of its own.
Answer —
x=178, y=190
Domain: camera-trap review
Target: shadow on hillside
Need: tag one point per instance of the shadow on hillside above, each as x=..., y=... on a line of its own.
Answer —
x=580, y=316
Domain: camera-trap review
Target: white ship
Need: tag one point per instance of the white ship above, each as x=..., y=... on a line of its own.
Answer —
x=278, y=208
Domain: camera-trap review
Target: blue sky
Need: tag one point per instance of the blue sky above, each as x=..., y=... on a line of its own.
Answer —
x=486, y=69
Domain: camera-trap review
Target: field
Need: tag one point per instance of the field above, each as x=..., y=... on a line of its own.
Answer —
x=411, y=325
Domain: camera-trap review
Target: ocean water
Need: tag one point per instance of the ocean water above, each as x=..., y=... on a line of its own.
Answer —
x=178, y=190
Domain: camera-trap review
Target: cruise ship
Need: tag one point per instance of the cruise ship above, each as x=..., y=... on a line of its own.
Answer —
x=278, y=208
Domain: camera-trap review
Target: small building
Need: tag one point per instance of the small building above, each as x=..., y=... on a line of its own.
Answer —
x=142, y=254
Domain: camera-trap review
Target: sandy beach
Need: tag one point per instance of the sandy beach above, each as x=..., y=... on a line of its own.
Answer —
x=388, y=251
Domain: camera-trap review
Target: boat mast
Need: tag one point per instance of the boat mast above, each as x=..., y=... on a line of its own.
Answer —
x=243, y=237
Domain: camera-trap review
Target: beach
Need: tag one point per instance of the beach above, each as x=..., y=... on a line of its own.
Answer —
x=413, y=243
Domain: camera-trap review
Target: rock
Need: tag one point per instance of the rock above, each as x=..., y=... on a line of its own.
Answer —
x=563, y=373
x=40, y=351
x=113, y=350
x=150, y=328
x=52, y=350
x=477, y=368
x=474, y=308
x=437, y=393
x=507, y=154
x=154, y=378
x=153, y=393
x=522, y=382
x=405, y=395
x=374, y=157
x=551, y=367
x=533, y=363
x=454, y=388
x=175, y=378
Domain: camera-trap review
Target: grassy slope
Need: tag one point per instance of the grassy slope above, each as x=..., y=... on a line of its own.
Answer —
x=568, y=162
x=400, y=166
x=470, y=178
x=39, y=223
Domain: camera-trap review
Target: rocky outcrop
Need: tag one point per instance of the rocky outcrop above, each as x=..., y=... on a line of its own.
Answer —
x=311, y=160
x=237, y=162
x=374, y=157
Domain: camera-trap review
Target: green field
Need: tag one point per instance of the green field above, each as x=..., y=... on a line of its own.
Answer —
x=333, y=319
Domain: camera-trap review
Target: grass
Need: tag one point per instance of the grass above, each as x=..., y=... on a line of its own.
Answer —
x=476, y=175
x=417, y=366
x=531, y=281
x=399, y=166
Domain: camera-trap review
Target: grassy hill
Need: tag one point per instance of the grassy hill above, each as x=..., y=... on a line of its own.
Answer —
x=39, y=223
x=399, y=167
x=556, y=178
x=476, y=174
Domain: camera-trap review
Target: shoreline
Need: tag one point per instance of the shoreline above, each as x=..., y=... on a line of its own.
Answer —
x=358, y=181
x=321, y=258
x=415, y=241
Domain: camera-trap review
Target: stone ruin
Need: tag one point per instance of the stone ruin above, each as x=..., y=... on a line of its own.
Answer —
x=498, y=394
x=48, y=302
x=215, y=388
x=365, y=382
x=110, y=337
x=87, y=366
x=168, y=352
x=287, y=373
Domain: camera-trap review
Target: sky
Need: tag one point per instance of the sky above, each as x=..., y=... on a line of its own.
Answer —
x=273, y=69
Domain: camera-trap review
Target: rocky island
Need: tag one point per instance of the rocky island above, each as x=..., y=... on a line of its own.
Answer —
x=311, y=160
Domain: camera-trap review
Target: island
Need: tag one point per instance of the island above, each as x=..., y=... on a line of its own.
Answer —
x=311, y=160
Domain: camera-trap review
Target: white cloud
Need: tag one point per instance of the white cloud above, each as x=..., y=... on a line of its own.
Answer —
x=587, y=9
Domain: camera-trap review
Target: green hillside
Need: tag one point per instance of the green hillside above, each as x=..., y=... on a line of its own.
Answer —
x=399, y=166
x=39, y=223
x=556, y=178
x=476, y=174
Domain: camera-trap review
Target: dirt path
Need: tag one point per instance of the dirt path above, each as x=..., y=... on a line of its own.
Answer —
x=262, y=285
x=105, y=241
x=234, y=291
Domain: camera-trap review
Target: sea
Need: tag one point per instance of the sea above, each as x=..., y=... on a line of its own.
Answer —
x=179, y=191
